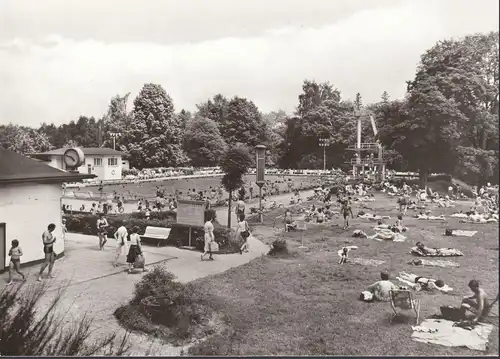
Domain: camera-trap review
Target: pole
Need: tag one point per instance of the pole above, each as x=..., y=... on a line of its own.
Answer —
x=261, y=218
x=324, y=158
x=114, y=142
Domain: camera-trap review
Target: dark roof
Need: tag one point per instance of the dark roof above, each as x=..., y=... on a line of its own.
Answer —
x=90, y=151
x=18, y=168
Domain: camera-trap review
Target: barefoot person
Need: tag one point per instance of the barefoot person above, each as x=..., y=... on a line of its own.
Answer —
x=15, y=254
x=135, y=250
x=346, y=211
x=102, y=232
x=48, y=239
x=121, y=247
x=243, y=230
x=478, y=301
x=209, y=237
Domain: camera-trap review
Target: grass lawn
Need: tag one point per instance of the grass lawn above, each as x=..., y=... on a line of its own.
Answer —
x=148, y=189
x=304, y=303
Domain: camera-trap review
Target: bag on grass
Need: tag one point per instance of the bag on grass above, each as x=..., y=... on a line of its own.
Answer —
x=214, y=246
x=139, y=261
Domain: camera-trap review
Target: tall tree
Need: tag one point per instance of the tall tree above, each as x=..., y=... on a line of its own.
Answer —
x=453, y=104
x=358, y=102
x=385, y=97
x=203, y=142
x=234, y=163
x=214, y=109
x=116, y=121
x=23, y=140
x=154, y=136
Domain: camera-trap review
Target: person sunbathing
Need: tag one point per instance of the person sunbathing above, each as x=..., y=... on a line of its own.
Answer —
x=418, y=283
x=478, y=301
x=431, y=218
x=381, y=289
x=436, y=252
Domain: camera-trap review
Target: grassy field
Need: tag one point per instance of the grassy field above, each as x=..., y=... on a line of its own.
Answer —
x=148, y=189
x=304, y=303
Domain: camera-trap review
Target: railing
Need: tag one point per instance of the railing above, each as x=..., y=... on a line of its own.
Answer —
x=366, y=162
x=364, y=146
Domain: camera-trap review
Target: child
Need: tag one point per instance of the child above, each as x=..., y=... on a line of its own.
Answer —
x=15, y=254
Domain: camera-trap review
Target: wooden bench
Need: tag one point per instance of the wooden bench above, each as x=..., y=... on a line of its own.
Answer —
x=159, y=234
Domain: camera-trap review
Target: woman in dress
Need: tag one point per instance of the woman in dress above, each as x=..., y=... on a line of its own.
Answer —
x=102, y=232
x=243, y=230
x=135, y=250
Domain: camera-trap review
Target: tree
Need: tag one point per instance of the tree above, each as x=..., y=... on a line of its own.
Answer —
x=116, y=120
x=184, y=117
x=234, y=163
x=154, y=136
x=214, y=109
x=23, y=140
x=385, y=97
x=453, y=104
x=203, y=142
x=358, y=103
x=320, y=114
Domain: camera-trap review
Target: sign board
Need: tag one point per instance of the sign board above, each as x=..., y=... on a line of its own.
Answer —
x=191, y=212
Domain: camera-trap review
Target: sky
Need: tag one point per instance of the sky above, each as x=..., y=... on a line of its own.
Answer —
x=60, y=59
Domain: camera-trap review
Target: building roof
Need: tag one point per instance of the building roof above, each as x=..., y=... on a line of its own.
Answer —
x=89, y=151
x=18, y=168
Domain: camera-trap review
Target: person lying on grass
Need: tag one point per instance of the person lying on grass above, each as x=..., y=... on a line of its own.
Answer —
x=418, y=283
x=381, y=289
x=478, y=301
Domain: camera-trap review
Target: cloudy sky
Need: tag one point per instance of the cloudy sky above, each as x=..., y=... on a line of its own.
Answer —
x=63, y=58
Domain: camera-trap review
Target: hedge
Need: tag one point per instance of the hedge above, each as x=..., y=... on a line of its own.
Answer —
x=179, y=234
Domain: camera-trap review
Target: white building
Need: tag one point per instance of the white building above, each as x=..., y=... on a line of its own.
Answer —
x=105, y=163
x=30, y=199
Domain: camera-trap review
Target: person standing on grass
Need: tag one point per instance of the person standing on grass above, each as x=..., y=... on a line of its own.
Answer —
x=15, y=254
x=102, y=232
x=121, y=246
x=209, y=237
x=243, y=230
x=346, y=211
x=48, y=239
x=135, y=250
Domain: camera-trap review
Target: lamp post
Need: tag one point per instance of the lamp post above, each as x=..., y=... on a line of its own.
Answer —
x=114, y=136
x=324, y=142
x=261, y=167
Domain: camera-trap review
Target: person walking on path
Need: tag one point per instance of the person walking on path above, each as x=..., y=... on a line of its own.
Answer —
x=121, y=246
x=209, y=237
x=135, y=250
x=102, y=232
x=243, y=230
x=48, y=239
x=15, y=254
x=240, y=207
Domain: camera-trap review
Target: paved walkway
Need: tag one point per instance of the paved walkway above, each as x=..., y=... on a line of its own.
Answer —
x=95, y=288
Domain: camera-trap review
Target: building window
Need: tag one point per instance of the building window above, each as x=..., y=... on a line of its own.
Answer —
x=112, y=161
x=97, y=161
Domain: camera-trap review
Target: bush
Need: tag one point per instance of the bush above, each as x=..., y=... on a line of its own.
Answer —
x=86, y=224
x=26, y=330
x=158, y=301
x=278, y=246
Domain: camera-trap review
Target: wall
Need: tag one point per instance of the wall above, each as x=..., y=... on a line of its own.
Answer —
x=103, y=172
x=56, y=162
x=27, y=210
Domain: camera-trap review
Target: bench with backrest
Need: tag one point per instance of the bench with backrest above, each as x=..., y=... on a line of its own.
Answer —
x=158, y=234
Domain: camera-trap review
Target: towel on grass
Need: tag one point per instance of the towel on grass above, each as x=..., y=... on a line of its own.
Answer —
x=365, y=262
x=434, y=263
x=450, y=336
x=439, y=252
x=462, y=233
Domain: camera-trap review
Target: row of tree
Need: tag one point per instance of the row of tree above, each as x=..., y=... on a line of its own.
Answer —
x=447, y=122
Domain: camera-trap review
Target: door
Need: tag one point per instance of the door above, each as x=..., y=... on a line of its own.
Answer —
x=89, y=167
x=3, y=246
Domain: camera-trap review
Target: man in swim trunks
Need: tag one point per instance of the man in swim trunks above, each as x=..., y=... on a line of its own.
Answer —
x=477, y=301
x=48, y=248
x=346, y=209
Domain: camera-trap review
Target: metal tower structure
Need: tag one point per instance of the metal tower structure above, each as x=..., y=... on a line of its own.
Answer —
x=370, y=148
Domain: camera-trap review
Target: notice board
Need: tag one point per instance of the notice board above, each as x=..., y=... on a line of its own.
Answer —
x=191, y=212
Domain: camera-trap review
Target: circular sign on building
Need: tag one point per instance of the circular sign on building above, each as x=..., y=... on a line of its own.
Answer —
x=73, y=158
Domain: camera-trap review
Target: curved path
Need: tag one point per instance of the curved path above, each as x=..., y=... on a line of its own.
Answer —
x=96, y=288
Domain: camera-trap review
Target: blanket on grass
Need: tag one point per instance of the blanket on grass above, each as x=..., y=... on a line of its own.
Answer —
x=444, y=333
x=439, y=252
x=365, y=262
x=462, y=233
x=434, y=263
